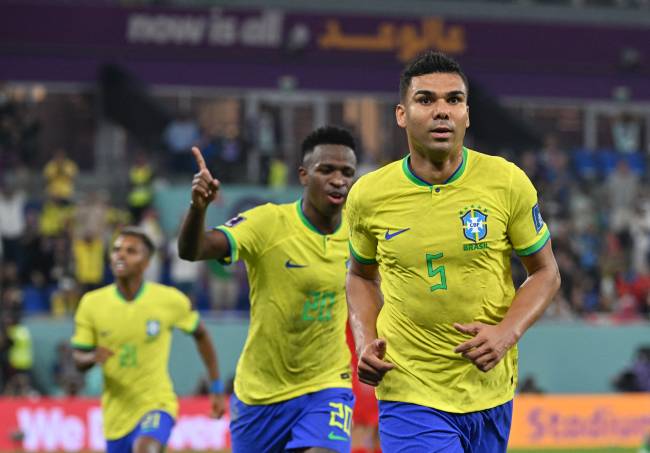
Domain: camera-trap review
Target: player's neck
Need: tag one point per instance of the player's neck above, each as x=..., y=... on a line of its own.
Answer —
x=129, y=287
x=326, y=224
x=435, y=169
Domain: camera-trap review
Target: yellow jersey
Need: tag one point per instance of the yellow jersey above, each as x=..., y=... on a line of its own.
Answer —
x=139, y=332
x=296, y=340
x=444, y=253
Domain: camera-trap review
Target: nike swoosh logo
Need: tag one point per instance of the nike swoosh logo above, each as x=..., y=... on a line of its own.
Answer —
x=332, y=436
x=390, y=235
x=291, y=265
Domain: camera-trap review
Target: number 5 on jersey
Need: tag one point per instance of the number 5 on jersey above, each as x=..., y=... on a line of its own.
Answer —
x=437, y=273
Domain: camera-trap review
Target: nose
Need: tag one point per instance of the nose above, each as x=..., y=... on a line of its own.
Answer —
x=441, y=110
x=338, y=180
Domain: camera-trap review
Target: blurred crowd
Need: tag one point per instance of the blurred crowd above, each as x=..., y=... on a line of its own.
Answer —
x=56, y=234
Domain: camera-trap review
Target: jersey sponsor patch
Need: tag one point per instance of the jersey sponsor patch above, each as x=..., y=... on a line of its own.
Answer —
x=537, y=218
x=235, y=221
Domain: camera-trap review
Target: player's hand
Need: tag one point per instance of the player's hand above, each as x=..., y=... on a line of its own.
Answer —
x=217, y=405
x=489, y=345
x=102, y=354
x=372, y=367
x=204, y=187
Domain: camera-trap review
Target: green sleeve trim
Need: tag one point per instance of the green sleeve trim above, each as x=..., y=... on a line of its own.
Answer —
x=83, y=347
x=536, y=247
x=196, y=325
x=233, y=257
x=359, y=258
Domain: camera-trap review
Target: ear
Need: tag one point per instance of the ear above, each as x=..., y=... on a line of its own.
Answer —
x=302, y=175
x=400, y=115
x=467, y=122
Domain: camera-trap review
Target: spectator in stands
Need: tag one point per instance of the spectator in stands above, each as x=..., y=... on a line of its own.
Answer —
x=12, y=221
x=529, y=385
x=264, y=140
x=184, y=274
x=636, y=377
x=181, y=134
x=622, y=190
x=626, y=133
x=150, y=224
x=65, y=298
x=20, y=355
x=60, y=173
x=140, y=196
x=91, y=216
x=640, y=232
x=88, y=253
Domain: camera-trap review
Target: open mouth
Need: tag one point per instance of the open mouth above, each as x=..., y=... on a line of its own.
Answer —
x=336, y=197
x=441, y=132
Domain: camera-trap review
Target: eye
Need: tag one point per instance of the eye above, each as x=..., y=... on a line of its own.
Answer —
x=454, y=100
x=425, y=100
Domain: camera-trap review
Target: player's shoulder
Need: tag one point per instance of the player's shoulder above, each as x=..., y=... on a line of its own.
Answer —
x=485, y=164
x=377, y=182
x=266, y=211
x=487, y=160
x=160, y=291
x=99, y=295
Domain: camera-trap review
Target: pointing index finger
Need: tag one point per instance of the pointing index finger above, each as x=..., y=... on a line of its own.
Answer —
x=200, y=161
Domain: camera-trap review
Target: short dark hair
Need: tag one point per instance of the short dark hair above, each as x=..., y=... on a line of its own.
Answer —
x=427, y=63
x=328, y=135
x=139, y=233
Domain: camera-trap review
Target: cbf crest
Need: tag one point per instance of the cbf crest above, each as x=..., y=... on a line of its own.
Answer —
x=474, y=223
x=152, y=328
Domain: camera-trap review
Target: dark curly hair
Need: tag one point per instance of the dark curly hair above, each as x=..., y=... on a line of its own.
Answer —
x=327, y=135
x=427, y=63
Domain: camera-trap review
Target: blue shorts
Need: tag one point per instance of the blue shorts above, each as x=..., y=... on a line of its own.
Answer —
x=156, y=424
x=320, y=419
x=405, y=427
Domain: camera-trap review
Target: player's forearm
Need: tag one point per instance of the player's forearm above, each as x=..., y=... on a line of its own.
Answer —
x=84, y=360
x=531, y=300
x=190, y=239
x=208, y=354
x=364, y=304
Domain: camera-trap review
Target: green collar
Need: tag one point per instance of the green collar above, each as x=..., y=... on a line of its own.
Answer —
x=308, y=224
x=406, y=167
x=137, y=294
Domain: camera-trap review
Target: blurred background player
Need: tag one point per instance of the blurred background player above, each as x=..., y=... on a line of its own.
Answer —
x=440, y=226
x=292, y=385
x=127, y=328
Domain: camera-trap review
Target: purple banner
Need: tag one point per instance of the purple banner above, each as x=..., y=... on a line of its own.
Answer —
x=255, y=48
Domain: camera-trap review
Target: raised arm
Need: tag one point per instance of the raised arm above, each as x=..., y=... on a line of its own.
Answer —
x=209, y=356
x=364, y=304
x=194, y=242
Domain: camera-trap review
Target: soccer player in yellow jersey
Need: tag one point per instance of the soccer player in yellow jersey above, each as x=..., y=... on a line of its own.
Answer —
x=433, y=310
x=127, y=328
x=292, y=384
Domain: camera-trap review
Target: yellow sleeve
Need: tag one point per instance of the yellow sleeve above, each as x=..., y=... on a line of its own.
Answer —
x=248, y=233
x=363, y=245
x=85, y=336
x=527, y=230
x=186, y=319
